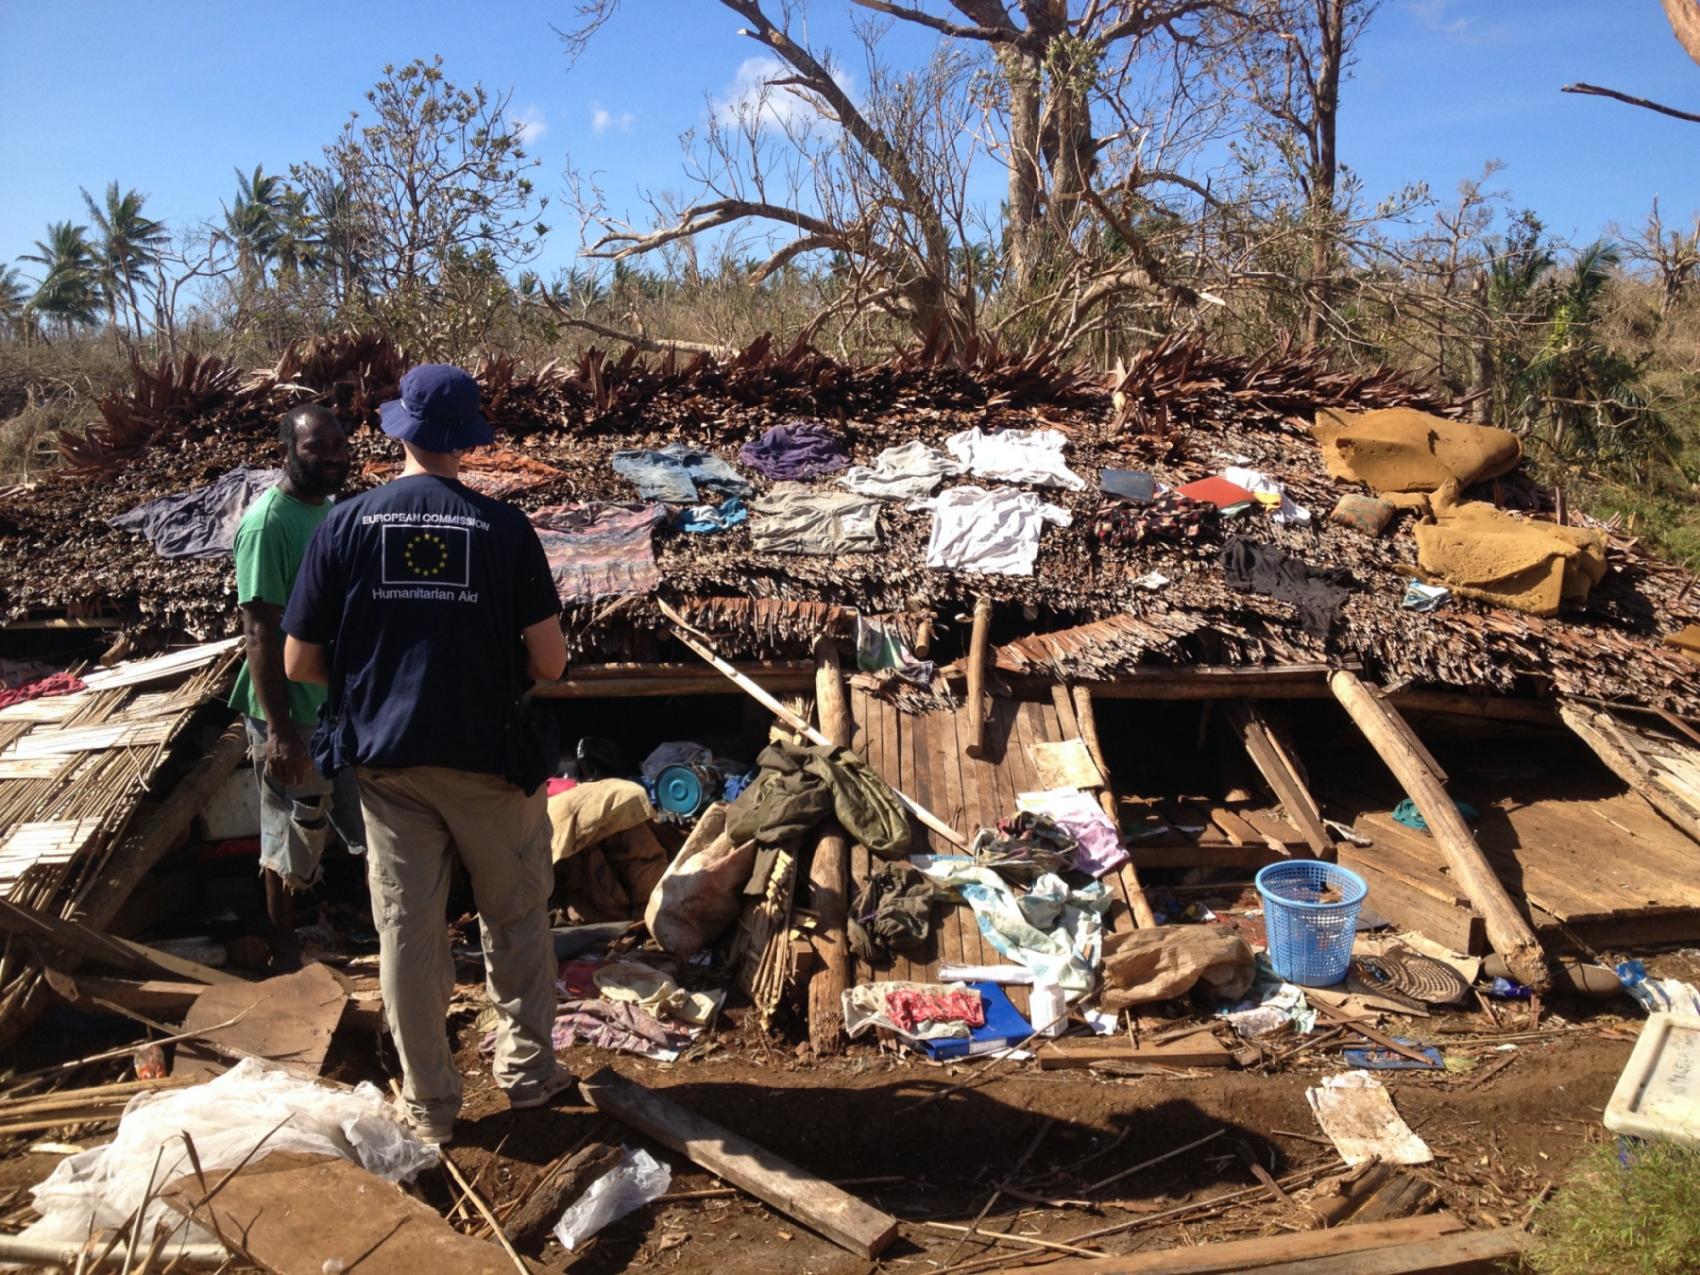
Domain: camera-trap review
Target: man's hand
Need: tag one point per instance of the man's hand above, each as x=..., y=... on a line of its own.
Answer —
x=287, y=758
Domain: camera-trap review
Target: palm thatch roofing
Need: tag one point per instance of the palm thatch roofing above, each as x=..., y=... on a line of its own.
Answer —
x=1180, y=412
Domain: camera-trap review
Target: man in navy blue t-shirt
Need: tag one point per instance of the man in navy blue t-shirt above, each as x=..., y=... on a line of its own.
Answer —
x=424, y=607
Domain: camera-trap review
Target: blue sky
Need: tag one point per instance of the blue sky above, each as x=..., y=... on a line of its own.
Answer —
x=170, y=97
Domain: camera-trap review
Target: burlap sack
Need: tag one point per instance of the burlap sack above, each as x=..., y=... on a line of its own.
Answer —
x=1141, y=966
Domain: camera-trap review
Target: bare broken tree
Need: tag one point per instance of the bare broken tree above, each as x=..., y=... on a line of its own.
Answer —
x=1066, y=96
x=1289, y=58
x=1059, y=61
x=1672, y=255
x=877, y=185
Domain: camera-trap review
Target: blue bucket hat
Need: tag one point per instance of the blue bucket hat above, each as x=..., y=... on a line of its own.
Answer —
x=437, y=410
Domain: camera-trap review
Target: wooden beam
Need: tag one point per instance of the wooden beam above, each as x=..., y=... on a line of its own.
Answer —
x=623, y=681
x=842, y=1218
x=1507, y=930
x=1438, y=1244
x=1086, y=721
x=1613, y=746
x=1282, y=681
x=1492, y=708
x=1278, y=769
x=70, y=936
x=977, y=642
x=63, y=622
x=1200, y=1050
x=829, y=873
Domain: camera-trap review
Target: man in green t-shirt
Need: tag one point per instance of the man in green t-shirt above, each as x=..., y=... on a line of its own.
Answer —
x=297, y=804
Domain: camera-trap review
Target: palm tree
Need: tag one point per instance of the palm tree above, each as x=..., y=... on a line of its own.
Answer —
x=14, y=300
x=299, y=246
x=341, y=237
x=69, y=290
x=253, y=222
x=129, y=245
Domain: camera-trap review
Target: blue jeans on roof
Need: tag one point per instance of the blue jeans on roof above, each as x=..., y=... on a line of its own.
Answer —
x=674, y=473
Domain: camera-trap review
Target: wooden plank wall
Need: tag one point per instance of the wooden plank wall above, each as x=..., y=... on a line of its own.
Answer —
x=922, y=754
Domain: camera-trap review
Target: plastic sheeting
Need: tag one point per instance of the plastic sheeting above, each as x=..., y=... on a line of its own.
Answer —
x=249, y=1106
x=200, y=523
x=636, y=1181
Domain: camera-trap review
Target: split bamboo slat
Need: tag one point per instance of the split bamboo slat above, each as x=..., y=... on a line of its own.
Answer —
x=73, y=769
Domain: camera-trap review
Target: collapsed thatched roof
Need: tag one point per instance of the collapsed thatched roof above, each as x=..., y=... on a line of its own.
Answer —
x=1179, y=412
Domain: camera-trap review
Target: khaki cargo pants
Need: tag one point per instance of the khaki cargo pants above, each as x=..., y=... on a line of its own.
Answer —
x=413, y=814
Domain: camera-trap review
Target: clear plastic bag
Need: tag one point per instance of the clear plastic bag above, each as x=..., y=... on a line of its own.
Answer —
x=629, y=1185
x=228, y=1117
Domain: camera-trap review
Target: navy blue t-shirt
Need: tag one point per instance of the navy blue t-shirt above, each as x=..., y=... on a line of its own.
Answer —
x=422, y=587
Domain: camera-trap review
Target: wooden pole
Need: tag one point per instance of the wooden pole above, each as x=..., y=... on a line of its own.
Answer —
x=829, y=874
x=1087, y=720
x=1507, y=930
x=683, y=632
x=977, y=642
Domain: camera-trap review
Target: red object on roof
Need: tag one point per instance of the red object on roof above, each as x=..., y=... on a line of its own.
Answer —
x=1218, y=491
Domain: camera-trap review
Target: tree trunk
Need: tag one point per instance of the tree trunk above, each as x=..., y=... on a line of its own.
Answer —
x=1481, y=354
x=1025, y=247
x=1331, y=39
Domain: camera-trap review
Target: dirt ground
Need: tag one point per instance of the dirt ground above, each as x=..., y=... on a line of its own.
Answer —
x=1501, y=1140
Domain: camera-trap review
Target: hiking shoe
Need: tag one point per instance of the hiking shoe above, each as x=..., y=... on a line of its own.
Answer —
x=559, y=1080
x=433, y=1133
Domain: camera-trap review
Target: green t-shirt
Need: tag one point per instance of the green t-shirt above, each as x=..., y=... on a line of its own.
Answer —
x=269, y=544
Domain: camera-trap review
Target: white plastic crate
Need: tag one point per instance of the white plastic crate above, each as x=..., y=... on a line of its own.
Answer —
x=1658, y=1094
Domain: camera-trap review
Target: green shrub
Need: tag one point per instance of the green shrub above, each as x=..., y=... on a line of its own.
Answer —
x=1629, y=1212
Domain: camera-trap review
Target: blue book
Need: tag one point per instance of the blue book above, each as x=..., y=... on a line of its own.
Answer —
x=1004, y=1028
x=1129, y=485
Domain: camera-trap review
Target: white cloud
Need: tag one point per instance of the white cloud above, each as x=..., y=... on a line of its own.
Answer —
x=530, y=125
x=602, y=119
x=1440, y=17
x=747, y=93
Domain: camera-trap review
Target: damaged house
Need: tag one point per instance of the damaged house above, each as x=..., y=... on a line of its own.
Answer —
x=1206, y=614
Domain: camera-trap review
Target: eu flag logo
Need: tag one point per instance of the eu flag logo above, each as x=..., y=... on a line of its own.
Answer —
x=427, y=555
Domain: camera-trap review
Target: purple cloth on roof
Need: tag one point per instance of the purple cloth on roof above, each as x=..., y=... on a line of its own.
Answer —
x=795, y=450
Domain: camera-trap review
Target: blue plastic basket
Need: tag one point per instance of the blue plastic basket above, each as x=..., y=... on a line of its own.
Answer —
x=1310, y=942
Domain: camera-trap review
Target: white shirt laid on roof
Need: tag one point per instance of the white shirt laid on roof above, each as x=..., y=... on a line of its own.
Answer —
x=903, y=473
x=1016, y=456
x=996, y=532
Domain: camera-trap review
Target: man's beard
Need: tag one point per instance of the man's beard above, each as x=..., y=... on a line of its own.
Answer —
x=315, y=481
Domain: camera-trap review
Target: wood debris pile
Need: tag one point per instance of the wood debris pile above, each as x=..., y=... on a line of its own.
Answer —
x=1179, y=412
x=73, y=769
